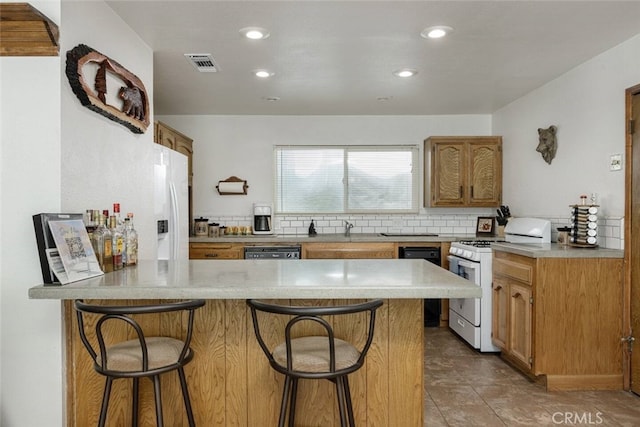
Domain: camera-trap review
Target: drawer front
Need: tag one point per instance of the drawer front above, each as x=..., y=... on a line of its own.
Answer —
x=204, y=253
x=215, y=246
x=348, y=251
x=514, y=270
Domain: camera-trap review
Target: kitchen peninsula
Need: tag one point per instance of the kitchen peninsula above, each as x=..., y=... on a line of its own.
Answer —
x=230, y=381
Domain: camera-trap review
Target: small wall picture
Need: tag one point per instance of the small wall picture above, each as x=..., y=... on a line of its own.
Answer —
x=486, y=226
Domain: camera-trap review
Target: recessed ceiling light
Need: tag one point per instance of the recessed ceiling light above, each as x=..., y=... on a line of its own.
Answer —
x=436, y=32
x=405, y=72
x=263, y=74
x=254, y=33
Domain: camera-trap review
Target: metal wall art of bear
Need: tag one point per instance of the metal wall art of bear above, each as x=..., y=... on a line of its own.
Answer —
x=547, y=143
x=85, y=64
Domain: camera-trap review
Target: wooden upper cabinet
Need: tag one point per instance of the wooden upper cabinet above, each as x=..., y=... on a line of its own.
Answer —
x=463, y=171
x=171, y=138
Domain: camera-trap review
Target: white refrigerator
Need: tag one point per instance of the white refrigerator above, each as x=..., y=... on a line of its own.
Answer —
x=171, y=203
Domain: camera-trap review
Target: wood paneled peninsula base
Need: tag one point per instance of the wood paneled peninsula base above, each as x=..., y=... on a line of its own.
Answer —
x=230, y=381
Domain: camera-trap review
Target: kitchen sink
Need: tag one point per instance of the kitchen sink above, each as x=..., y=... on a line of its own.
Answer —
x=408, y=234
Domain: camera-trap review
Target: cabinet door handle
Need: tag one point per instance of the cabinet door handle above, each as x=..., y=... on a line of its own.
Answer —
x=497, y=288
x=210, y=255
x=461, y=192
x=472, y=191
x=517, y=295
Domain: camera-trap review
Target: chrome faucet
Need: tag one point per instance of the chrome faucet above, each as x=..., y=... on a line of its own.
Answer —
x=347, y=228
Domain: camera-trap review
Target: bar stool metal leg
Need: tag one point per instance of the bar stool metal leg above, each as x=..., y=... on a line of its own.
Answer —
x=105, y=401
x=341, y=401
x=352, y=422
x=286, y=393
x=134, y=407
x=292, y=403
x=156, y=391
x=185, y=396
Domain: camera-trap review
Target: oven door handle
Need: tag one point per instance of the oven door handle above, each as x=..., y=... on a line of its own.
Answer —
x=463, y=262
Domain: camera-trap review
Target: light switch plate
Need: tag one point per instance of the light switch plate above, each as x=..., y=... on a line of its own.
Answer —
x=615, y=163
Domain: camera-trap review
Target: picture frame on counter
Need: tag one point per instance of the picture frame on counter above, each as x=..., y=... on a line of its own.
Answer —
x=485, y=226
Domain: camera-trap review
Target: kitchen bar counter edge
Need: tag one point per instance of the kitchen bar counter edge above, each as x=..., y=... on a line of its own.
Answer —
x=240, y=279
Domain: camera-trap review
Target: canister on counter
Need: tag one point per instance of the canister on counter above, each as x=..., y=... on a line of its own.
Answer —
x=563, y=235
x=214, y=229
x=201, y=227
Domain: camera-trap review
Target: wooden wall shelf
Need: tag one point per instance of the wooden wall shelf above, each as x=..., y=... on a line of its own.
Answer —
x=24, y=31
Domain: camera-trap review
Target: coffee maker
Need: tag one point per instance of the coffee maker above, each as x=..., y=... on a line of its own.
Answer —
x=262, y=218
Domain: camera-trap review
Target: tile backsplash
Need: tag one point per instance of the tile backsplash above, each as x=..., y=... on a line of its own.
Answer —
x=610, y=229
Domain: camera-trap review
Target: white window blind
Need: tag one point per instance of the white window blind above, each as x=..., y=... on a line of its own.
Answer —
x=346, y=179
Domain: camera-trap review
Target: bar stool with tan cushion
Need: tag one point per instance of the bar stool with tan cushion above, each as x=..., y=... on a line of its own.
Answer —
x=314, y=357
x=143, y=356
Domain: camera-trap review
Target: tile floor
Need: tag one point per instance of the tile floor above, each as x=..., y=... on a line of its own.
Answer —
x=467, y=388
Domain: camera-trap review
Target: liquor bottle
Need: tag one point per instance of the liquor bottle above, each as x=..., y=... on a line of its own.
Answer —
x=117, y=244
x=130, y=241
x=116, y=212
x=89, y=222
x=102, y=245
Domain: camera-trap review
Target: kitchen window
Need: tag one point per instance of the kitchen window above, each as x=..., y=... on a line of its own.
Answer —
x=346, y=179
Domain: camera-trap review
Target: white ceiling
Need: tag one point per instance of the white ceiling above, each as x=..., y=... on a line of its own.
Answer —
x=337, y=57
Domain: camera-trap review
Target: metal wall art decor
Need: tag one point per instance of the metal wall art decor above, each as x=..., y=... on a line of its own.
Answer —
x=547, y=143
x=134, y=112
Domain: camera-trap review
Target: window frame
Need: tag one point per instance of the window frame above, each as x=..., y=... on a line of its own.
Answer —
x=415, y=177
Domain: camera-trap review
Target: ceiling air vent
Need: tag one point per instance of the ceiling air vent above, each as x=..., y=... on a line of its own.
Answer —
x=203, y=62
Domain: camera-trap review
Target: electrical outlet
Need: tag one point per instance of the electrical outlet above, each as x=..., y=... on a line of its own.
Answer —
x=615, y=162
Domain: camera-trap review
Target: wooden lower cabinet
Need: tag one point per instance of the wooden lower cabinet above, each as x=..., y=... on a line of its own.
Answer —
x=231, y=383
x=216, y=251
x=348, y=250
x=500, y=303
x=520, y=313
x=560, y=319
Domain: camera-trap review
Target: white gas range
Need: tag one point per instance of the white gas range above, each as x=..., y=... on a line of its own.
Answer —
x=471, y=317
x=472, y=259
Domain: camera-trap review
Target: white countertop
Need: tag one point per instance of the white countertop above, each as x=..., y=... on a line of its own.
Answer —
x=240, y=279
x=329, y=238
x=554, y=250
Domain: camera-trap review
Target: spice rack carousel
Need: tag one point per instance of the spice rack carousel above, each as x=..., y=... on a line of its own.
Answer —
x=584, y=226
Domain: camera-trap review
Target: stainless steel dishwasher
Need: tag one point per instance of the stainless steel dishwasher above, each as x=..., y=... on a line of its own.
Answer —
x=272, y=252
x=431, y=254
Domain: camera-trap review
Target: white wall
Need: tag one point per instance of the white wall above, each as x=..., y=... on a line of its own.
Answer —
x=103, y=161
x=30, y=341
x=243, y=146
x=55, y=156
x=587, y=105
